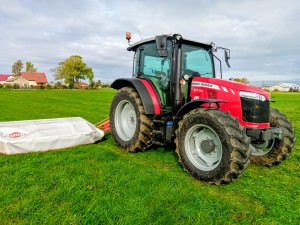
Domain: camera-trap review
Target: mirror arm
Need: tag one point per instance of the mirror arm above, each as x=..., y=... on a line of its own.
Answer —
x=227, y=54
x=223, y=49
x=220, y=65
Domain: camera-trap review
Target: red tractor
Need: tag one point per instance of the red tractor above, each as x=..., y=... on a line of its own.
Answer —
x=218, y=125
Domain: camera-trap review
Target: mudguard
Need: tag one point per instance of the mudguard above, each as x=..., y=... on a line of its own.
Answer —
x=145, y=90
x=196, y=104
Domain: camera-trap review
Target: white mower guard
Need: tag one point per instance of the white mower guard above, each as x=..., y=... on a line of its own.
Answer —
x=47, y=134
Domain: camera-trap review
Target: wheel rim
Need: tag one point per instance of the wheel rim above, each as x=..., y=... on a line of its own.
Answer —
x=263, y=148
x=125, y=120
x=203, y=147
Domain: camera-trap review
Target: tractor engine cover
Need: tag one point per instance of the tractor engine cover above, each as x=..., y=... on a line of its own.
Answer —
x=249, y=104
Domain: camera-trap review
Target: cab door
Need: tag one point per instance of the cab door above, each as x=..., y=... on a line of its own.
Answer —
x=149, y=65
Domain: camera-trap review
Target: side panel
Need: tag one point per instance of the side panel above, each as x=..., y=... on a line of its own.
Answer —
x=148, y=96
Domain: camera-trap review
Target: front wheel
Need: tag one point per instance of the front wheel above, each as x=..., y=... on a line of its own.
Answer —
x=130, y=127
x=274, y=151
x=211, y=146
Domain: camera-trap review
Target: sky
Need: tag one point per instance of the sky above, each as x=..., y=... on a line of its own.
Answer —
x=263, y=36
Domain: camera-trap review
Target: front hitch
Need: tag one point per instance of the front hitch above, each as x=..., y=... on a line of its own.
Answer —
x=265, y=134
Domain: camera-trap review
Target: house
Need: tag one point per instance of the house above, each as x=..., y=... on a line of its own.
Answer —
x=4, y=78
x=28, y=79
x=81, y=85
x=35, y=78
x=284, y=87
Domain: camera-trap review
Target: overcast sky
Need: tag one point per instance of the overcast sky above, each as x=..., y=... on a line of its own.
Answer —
x=263, y=35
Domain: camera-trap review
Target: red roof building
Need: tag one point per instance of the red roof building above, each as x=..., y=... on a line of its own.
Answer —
x=4, y=77
x=28, y=79
x=81, y=85
x=39, y=78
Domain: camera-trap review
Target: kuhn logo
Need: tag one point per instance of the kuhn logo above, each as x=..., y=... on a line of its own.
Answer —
x=16, y=135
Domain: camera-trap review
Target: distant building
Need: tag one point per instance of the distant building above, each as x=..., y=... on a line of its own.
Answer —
x=28, y=79
x=4, y=78
x=81, y=85
x=284, y=87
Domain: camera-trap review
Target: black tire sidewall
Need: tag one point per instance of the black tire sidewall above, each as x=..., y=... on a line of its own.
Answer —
x=120, y=96
x=222, y=168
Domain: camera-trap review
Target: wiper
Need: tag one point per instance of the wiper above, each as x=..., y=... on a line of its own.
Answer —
x=139, y=74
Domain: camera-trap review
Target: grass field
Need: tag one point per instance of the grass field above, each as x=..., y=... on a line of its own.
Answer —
x=101, y=184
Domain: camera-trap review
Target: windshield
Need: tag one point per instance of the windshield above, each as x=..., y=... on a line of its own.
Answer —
x=196, y=61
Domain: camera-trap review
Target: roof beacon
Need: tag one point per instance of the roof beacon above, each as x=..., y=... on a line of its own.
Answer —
x=128, y=37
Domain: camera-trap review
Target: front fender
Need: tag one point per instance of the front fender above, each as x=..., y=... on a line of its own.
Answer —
x=145, y=90
x=195, y=104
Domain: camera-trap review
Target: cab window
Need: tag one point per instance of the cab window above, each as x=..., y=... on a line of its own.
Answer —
x=196, y=61
x=151, y=66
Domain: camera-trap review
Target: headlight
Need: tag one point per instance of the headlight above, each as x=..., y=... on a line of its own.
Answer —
x=252, y=95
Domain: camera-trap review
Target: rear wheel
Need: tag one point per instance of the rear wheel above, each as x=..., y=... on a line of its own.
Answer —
x=273, y=152
x=211, y=146
x=130, y=127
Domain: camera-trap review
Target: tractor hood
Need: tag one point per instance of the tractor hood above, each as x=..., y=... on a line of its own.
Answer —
x=247, y=103
x=228, y=86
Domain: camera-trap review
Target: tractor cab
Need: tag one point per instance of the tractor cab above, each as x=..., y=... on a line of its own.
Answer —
x=166, y=60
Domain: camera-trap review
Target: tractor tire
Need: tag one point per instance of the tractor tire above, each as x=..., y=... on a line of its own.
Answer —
x=130, y=127
x=278, y=149
x=212, y=146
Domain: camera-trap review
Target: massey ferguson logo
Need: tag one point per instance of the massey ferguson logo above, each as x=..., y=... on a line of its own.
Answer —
x=207, y=85
x=16, y=135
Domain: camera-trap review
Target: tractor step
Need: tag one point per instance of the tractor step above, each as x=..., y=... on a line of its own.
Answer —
x=157, y=143
x=158, y=121
x=158, y=132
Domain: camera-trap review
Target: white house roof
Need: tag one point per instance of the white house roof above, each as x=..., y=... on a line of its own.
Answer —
x=13, y=78
x=287, y=85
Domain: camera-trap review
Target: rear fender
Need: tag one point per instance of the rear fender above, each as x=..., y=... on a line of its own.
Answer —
x=145, y=90
x=196, y=104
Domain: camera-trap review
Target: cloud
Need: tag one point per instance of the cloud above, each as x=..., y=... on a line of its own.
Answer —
x=262, y=35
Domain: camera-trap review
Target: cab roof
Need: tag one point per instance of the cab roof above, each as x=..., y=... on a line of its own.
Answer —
x=135, y=45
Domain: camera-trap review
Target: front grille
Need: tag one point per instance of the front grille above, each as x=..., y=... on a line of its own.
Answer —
x=255, y=111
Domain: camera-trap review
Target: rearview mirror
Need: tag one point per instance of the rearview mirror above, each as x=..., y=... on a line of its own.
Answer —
x=227, y=57
x=161, y=45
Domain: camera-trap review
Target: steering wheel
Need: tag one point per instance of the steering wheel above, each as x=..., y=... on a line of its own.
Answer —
x=159, y=74
x=163, y=79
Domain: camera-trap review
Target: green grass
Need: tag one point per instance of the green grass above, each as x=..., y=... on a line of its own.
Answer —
x=101, y=184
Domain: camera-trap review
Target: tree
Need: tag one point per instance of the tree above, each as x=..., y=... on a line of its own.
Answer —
x=17, y=67
x=98, y=84
x=72, y=70
x=241, y=80
x=30, y=67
